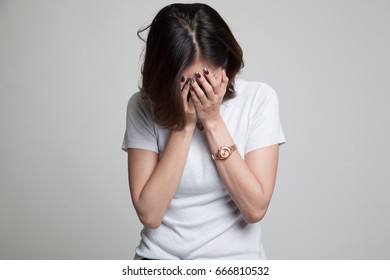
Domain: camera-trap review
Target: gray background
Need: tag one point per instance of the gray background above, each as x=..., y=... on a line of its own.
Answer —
x=67, y=69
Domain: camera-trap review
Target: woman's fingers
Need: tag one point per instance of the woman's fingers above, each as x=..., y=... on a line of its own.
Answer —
x=188, y=103
x=206, y=89
x=211, y=80
x=205, y=85
x=219, y=87
x=197, y=90
x=225, y=81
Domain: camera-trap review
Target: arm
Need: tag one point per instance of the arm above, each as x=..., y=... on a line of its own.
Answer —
x=154, y=182
x=250, y=182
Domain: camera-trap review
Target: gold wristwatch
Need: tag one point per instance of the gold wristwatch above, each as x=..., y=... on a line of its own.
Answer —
x=224, y=152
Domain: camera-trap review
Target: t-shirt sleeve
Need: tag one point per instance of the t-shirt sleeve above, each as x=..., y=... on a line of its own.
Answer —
x=140, y=130
x=265, y=128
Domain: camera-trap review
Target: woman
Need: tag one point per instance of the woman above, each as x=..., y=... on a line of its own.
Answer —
x=202, y=147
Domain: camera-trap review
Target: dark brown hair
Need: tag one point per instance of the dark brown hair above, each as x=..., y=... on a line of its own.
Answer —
x=178, y=35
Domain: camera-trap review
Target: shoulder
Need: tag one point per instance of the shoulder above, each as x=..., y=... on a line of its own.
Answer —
x=257, y=94
x=254, y=90
x=139, y=105
x=136, y=99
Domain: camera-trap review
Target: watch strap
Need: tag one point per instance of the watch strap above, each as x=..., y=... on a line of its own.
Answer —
x=224, y=152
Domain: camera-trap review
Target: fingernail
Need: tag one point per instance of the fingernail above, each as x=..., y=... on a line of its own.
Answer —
x=198, y=75
x=206, y=71
x=183, y=79
x=192, y=80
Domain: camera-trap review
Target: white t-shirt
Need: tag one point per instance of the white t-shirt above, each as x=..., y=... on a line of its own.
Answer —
x=202, y=221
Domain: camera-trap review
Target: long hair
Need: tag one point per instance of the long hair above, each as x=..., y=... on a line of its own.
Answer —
x=178, y=35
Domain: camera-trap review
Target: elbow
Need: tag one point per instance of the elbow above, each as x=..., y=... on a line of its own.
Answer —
x=148, y=217
x=254, y=216
x=154, y=225
x=150, y=222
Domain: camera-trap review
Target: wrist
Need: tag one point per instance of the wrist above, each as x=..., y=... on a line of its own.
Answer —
x=189, y=127
x=213, y=124
x=224, y=152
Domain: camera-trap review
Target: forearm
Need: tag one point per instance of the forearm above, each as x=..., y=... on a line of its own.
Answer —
x=244, y=188
x=157, y=194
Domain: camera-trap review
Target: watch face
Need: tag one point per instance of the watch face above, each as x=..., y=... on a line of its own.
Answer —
x=224, y=152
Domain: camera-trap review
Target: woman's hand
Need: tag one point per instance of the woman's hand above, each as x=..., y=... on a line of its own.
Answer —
x=189, y=108
x=207, y=94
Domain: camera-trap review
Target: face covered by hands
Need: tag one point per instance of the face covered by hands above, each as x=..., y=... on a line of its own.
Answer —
x=202, y=93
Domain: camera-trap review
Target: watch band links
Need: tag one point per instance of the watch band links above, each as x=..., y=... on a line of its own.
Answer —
x=224, y=152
